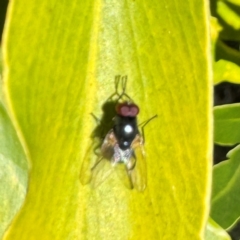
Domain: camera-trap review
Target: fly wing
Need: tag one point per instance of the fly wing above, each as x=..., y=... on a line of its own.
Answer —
x=96, y=170
x=100, y=172
x=123, y=175
x=138, y=173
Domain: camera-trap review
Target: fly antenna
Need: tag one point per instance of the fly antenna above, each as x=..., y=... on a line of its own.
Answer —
x=124, y=83
x=124, y=87
x=116, y=80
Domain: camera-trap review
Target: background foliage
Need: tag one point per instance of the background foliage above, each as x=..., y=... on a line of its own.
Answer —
x=225, y=36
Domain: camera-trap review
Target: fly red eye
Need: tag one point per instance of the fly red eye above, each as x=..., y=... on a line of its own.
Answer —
x=127, y=110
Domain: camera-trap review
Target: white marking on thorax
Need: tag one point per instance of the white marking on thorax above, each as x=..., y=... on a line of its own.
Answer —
x=128, y=128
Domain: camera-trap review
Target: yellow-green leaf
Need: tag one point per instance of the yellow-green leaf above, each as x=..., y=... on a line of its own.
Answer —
x=225, y=209
x=227, y=121
x=13, y=172
x=215, y=232
x=60, y=62
x=226, y=70
x=236, y=2
x=231, y=17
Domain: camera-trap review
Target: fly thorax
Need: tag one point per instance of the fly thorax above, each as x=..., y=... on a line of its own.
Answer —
x=125, y=130
x=121, y=156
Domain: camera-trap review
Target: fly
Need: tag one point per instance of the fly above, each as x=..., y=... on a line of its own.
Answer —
x=123, y=146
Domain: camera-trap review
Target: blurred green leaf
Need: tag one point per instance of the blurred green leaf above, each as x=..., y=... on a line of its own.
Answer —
x=226, y=192
x=61, y=60
x=220, y=51
x=226, y=70
x=226, y=124
x=215, y=232
x=225, y=60
x=229, y=34
x=13, y=172
x=236, y=2
x=227, y=53
x=228, y=14
x=233, y=230
x=216, y=27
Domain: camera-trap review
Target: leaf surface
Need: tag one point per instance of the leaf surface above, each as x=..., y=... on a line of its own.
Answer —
x=61, y=60
x=226, y=70
x=226, y=194
x=215, y=232
x=13, y=172
x=227, y=121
